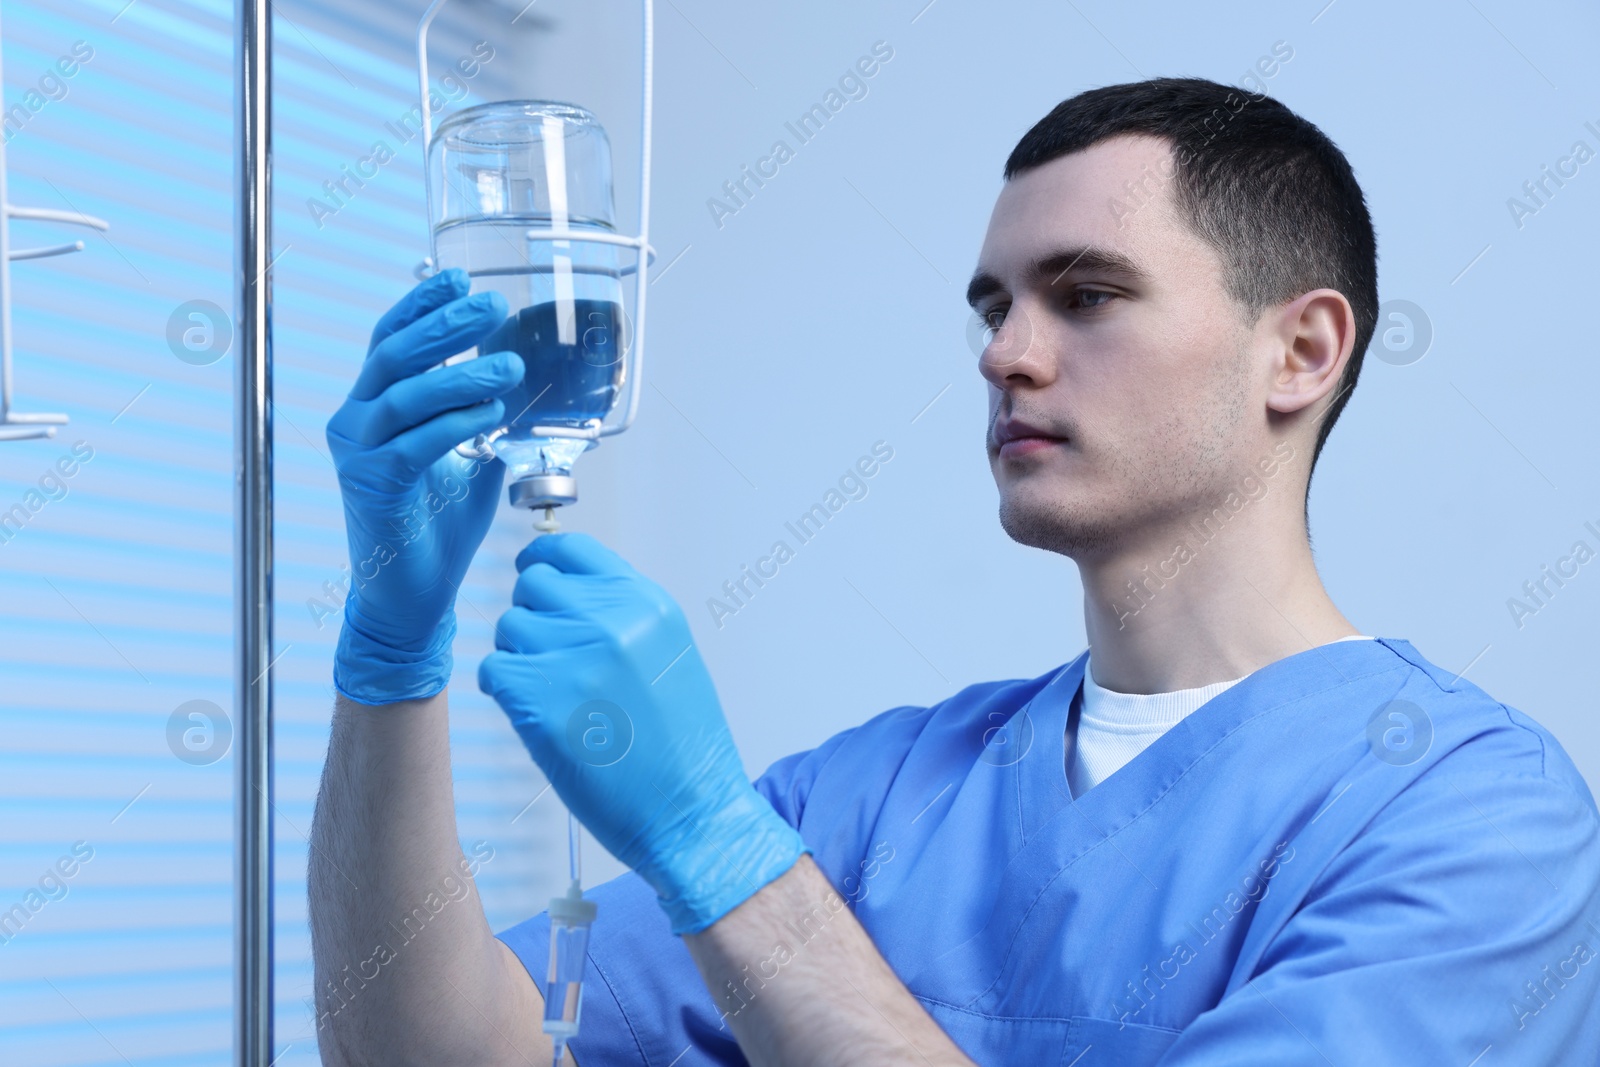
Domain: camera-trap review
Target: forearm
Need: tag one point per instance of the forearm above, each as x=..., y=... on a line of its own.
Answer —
x=824, y=1000
x=407, y=969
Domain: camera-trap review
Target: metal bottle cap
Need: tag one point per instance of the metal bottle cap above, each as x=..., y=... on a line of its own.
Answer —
x=544, y=491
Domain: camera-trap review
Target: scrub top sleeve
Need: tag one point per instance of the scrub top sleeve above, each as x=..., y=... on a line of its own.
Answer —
x=1465, y=916
x=858, y=765
x=787, y=782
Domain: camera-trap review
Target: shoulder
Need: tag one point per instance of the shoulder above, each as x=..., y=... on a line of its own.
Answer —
x=865, y=759
x=1473, y=733
x=1471, y=818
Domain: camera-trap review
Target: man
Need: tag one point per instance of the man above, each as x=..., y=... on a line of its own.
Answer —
x=1236, y=831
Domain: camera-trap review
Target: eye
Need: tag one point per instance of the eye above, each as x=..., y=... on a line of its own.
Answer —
x=1088, y=299
x=994, y=318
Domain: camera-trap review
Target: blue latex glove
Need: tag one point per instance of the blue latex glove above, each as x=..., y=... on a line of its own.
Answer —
x=602, y=680
x=414, y=510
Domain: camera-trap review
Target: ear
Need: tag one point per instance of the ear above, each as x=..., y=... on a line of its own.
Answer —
x=1316, y=333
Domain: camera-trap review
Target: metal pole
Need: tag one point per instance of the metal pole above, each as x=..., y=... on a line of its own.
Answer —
x=252, y=831
x=5, y=288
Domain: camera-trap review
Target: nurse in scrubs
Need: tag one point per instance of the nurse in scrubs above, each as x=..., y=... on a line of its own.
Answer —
x=1234, y=830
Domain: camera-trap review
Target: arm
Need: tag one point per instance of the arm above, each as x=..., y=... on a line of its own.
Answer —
x=833, y=1000
x=596, y=668
x=406, y=969
x=383, y=841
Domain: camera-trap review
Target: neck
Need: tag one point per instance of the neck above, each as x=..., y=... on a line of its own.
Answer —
x=1188, y=603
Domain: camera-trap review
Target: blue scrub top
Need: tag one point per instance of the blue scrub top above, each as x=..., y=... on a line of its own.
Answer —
x=1350, y=857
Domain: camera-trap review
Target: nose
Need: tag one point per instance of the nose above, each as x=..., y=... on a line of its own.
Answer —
x=1015, y=352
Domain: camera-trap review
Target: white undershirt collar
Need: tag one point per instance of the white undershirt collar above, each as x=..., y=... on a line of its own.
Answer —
x=1115, y=727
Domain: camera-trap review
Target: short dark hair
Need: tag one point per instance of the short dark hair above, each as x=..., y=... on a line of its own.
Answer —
x=1264, y=187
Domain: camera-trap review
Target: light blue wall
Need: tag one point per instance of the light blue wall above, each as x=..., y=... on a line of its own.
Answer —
x=825, y=315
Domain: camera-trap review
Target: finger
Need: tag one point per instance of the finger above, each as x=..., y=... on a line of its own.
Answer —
x=418, y=448
x=517, y=677
x=438, y=335
x=434, y=337
x=530, y=633
x=512, y=680
x=435, y=292
x=413, y=401
x=542, y=588
x=573, y=553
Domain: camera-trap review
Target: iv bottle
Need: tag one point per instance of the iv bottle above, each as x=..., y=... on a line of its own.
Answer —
x=501, y=173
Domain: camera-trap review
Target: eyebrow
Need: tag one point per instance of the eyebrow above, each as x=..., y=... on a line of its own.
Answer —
x=1052, y=265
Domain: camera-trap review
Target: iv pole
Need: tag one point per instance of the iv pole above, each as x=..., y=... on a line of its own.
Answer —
x=252, y=550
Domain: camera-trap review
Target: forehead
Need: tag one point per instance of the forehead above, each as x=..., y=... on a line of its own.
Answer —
x=1116, y=194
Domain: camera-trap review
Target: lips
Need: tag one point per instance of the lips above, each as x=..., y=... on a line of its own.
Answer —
x=1025, y=446
x=1019, y=435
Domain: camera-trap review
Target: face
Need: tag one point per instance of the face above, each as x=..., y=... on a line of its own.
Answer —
x=1117, y=359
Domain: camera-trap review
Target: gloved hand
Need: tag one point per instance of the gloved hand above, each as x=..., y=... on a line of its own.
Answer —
x=599, y=674
x=414, y=510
